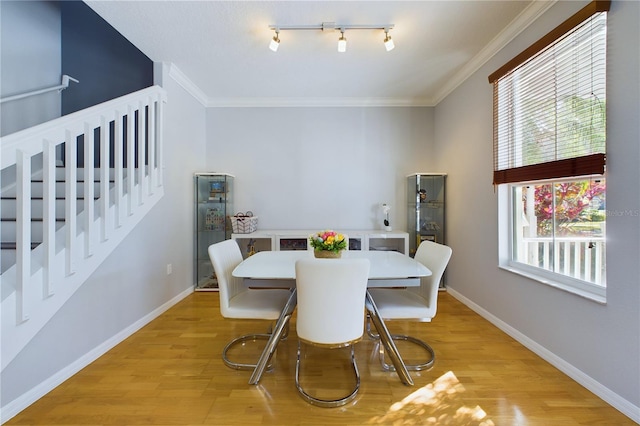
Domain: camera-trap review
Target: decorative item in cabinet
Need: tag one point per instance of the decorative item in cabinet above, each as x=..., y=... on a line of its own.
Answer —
x=253, y=243
x=293, y=243
x=355, y=243
x=426, y=209
x=213, y=207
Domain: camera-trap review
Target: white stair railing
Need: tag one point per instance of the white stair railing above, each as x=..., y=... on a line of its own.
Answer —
x=130, y=183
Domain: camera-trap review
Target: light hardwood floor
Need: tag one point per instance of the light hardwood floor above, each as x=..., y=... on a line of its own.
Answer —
x=170, y=373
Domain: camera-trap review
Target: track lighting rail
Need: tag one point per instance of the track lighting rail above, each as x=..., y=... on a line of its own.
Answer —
x=332, y=26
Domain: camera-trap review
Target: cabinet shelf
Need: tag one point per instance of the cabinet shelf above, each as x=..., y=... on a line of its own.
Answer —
x=268, y=240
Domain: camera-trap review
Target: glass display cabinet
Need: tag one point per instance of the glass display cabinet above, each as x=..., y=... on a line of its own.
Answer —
x=214, y=205
x=426, y=208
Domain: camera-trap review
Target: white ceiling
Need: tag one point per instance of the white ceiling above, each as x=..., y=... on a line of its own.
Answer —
x=221, y=47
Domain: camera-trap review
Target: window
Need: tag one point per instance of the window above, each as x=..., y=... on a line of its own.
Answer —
x=549, y=155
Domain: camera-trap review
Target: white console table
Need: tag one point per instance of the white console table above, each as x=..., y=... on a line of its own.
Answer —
x=273, y=240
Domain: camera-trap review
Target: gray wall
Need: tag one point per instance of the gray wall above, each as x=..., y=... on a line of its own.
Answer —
x=597, y=342
x=308, y=168
x=30, y=59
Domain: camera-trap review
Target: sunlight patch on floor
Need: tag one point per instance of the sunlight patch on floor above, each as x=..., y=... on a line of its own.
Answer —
x=436, y=403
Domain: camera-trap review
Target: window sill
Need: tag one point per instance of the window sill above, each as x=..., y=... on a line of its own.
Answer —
x=558, y=281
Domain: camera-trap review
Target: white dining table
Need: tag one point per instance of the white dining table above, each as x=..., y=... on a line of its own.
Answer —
x=277, y=269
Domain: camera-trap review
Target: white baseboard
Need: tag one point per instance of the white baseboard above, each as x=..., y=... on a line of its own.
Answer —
x=606, y=394
x=31, y=396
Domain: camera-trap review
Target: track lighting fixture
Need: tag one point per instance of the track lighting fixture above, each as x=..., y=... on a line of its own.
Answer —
x=342, y=43
x=331, y=26
x=275, y=41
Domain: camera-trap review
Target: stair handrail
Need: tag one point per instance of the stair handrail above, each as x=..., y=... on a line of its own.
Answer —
x=60, y=87
x=30, y=139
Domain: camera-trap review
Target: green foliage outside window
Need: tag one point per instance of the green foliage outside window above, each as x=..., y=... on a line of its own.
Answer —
x=578, y=122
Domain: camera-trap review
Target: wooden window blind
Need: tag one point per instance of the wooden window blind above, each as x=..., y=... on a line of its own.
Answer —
x=549, y=116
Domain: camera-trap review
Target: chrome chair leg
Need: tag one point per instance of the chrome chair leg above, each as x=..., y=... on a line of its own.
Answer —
x=242, y=340
x=370, y=333
x=329, y=403
x=411, y=367
x=281, y=328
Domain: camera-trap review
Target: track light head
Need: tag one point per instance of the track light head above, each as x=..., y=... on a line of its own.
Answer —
x=275, y=42
x=388, y=42
x=342, y=43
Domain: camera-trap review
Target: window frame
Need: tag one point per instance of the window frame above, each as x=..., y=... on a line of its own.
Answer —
x=506, y=241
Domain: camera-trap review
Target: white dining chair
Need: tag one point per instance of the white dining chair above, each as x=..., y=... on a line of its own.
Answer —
x=240, y=302
x=414, y=303
x=331, y=297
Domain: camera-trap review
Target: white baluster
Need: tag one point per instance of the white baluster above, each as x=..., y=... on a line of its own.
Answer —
x=23, y=234
x=160, y=140
x=588, y=263
x=131, y=176
x=70, y=198
x=545, y=259
x=577, y=263
x=104, y=179
x=142, y=133
x=89, y=159
x=48, y=215
x=118, y=151
x=600, y=253
x=152, y=146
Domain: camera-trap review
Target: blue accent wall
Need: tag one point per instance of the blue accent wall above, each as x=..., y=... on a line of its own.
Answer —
x=106, y=63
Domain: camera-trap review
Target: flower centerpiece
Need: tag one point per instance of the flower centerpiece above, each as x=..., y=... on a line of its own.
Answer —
x=328, y=243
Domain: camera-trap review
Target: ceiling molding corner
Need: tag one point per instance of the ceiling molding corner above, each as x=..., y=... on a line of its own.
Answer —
x=519, y=24
x=181, y=78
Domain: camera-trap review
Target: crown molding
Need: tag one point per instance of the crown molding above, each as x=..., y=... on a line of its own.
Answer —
x=515, y=27
x=285, y=102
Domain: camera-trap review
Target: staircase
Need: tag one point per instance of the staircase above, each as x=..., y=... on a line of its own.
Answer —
x=59, y=221
x=9, y=212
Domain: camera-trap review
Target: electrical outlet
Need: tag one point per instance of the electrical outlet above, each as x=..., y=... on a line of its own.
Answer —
x=169, y=269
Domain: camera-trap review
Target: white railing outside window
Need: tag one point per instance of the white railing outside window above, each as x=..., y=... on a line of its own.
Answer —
x=580, y=258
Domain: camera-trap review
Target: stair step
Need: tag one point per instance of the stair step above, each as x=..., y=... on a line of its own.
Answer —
x=13, y=245
x=8, y=206
x=9, y=226
x=37, y=190
x=8, y=254
x=7, y=259
x=60, y=173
